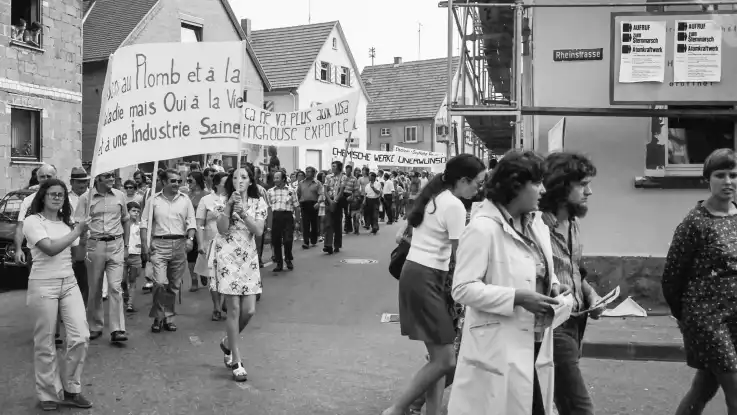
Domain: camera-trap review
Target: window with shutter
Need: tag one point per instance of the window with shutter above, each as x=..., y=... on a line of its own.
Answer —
x=317, y=71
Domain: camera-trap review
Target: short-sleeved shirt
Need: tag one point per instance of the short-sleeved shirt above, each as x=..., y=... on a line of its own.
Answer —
x=282, y=199
x=443, y=221
x=208, y=210
x=370, y=193
x=171, y=216
x=107, y=212
x=37, y=228
x=134, y=239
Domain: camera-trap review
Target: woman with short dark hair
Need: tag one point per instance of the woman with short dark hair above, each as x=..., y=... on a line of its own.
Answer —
x=208, y=210
x=504, y=277
x=699, y=281
x=438, y=219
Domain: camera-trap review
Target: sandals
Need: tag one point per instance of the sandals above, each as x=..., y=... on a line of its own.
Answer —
x=227, y=355
x=239, y=373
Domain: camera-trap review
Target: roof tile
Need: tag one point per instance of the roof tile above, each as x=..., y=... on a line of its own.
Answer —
x=288, y=53
x=410, y=90
x=109, y=24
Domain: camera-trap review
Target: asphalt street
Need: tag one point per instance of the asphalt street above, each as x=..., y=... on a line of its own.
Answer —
x=316, y=346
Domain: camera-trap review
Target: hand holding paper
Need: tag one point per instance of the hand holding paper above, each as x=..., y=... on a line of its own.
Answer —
x=600, y=306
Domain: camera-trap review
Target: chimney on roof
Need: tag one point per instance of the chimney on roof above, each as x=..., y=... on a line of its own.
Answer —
x=246, y=25
x=397, y=60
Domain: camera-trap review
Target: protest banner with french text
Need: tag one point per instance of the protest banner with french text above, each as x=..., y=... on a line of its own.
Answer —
x=170, y=100
x=388, y=158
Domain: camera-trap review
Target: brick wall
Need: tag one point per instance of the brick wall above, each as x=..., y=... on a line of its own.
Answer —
x=48, y=79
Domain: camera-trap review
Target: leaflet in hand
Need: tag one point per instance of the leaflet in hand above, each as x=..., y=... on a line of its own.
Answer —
x=603, y=302
x=558, y=315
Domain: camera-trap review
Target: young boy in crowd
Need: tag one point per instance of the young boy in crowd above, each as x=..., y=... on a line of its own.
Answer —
x=356, y=211
x=133, y=263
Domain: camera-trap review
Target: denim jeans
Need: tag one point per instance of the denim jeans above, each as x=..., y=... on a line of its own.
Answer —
x=571, y=395
x=46, y=299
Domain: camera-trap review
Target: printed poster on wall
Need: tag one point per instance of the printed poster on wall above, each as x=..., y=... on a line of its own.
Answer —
x=698, y=51
x=642, y=57
x=170, y=100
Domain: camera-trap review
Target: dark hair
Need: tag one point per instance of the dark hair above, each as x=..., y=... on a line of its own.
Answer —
x=459, y=167
x=561, y=170
x=218, y=178
x=132, y=205
x=34, y=179
x=339, y=164
x=130, y=183
x=719, y=159
x=514, y=171
x=252, y=190
x=194, y=166
x=139, y=173
x=38, y=204
x=302, y=173
x=321, y=177
x=198, y=178
x=493, y=163
x=208, y=172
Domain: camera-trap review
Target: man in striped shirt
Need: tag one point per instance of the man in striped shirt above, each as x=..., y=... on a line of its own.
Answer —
x=351, y=187
x=285, y=206
x=567, y=182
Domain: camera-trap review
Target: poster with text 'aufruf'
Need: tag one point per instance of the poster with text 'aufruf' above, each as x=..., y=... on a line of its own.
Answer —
x=163, y=101
x=698, y=51
x=642, y=57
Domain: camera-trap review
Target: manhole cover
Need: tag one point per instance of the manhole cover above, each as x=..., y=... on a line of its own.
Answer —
x=358, y=261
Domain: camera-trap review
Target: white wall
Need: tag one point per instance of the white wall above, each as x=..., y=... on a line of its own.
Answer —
x=623, y=220
x=313, y=90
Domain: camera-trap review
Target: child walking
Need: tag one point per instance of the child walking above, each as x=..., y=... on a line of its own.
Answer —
x=357, y=211
x=133, y=263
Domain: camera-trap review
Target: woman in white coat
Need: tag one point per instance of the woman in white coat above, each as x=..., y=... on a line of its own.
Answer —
x=504, y=276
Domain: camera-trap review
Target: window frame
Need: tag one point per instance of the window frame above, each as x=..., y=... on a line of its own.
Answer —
x=694, y=170
x=328, y=68
x=39, y=19
x=344, y=71
x=388, y=146
x=388, y=132
x=39, y=139
x=335, y=43
x=194, y=27
x=411, y=128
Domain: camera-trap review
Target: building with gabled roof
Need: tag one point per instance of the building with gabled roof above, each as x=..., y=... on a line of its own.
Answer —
x=111, y=24
x=408, y=104
x=308, y=65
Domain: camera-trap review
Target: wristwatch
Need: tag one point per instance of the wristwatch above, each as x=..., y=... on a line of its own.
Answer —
x=191, y=238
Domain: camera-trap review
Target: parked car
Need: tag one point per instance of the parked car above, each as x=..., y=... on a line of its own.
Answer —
x=12, y=274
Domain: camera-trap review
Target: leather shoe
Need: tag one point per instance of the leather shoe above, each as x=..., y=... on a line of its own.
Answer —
x=156, y=327
x=95, y=334
x=279, y=268
x=77, y=400
x=118, y=336
x=290, y=266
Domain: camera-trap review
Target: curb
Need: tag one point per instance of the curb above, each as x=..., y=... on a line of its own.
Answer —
x=656, y=352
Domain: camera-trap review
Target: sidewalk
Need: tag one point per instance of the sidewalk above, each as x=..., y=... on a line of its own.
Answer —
x=655, y=338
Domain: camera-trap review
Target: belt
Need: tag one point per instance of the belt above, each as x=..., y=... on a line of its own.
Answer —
x=107, y=238
x=169, y=237
x=284, y=211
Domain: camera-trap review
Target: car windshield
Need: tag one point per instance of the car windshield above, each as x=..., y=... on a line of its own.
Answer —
x=10, y=206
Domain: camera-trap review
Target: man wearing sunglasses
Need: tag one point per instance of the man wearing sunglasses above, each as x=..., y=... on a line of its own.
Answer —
x=106, y=254
x=172, y=227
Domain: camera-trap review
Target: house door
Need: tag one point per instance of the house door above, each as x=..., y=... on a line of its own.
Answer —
x=313, y=158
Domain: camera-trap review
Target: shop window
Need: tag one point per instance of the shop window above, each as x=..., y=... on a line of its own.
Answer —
x=191, y=33
x=690, y=141
x=25, y=134
x=410, y=134
x=25, y=16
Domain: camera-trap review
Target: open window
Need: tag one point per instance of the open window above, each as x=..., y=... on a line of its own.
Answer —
x=191, y=33
x=25, y=17
x=25, y=134
x=681, y=144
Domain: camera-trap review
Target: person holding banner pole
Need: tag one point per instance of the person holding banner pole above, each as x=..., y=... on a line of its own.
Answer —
x=334, y=200
x=371, y=203
x=169, y=218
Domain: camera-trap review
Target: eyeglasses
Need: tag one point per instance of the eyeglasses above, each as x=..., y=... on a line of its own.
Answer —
x=55, y=195
x=172, y=181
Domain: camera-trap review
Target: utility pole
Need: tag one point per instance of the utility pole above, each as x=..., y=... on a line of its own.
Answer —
x=372, y=54
x=419, y=41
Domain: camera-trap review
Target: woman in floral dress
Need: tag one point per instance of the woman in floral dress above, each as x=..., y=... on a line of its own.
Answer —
x=700, y=286
x=236, y=260
x=209, y=209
